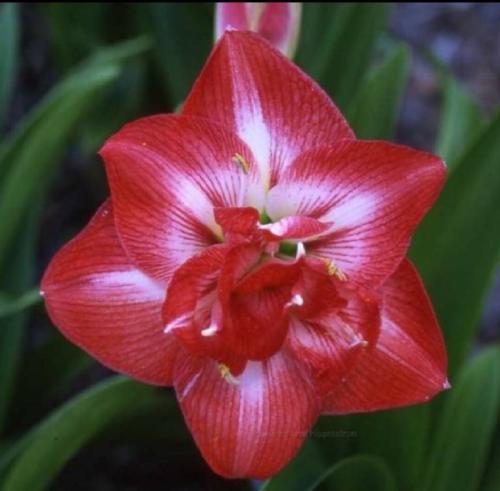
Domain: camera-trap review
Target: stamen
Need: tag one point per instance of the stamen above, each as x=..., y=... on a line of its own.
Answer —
x=211, y=330
x=358, y=342
x=333, y=270
x=301, y=250
x=227, y=375
x=176, y=323
x=239, y=160
x=297, y=299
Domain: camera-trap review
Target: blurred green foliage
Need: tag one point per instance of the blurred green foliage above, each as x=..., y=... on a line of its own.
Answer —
x=145, y=62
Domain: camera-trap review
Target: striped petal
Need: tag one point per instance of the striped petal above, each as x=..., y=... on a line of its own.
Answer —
x=104, y=304
x=166, y=174
x=374, y=193
x=277, y=110
x=252, y=426
x=407, y=365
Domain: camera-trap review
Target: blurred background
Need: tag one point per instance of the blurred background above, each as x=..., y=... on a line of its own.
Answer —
x=427, y=75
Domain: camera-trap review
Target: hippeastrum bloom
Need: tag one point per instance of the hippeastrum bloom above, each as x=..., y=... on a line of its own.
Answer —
x=252, y=255
x=278, y=22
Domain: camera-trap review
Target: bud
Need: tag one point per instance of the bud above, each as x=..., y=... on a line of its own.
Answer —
x=278, y=23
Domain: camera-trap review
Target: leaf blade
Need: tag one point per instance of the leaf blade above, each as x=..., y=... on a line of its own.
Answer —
x=9, y=39
x=457, y=246
x=63, y=433
x=374, y=110
x=471, y=409
x=460, y=122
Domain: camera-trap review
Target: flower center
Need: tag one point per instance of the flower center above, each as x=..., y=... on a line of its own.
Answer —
x=288, y=248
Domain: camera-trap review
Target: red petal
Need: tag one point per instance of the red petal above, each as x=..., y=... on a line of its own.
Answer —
x=238, y=222
x=331, y=328
x=254, y=309
x=254, y=428
x=327, y=350
x=275, y=108
x=192, y=307
x=375, y=193
x=296, y=228
x=319, y=293
x=242, y=224
x=408, y=363
x=107, y=306
x=166, y=174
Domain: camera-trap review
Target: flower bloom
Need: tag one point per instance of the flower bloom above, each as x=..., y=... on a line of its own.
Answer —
x=278, y=22
x=252, y=255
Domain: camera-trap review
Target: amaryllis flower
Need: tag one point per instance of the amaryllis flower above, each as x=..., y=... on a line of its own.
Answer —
x=252, y=255
x=278, y=22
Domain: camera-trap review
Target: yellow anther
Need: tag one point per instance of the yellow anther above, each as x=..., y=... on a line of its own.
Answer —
x=239, y=160
x=333, y=270
x=227, y=375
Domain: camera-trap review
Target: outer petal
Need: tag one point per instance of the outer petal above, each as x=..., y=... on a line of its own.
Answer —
x=375, y=193
x=166, y=174
x=250, y=429
x=107, y=306
x=275, y=108
x=407, y=364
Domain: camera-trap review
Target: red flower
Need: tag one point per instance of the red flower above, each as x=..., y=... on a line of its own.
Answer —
x=252, y=254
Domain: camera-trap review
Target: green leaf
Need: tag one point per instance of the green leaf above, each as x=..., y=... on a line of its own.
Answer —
x=43, y=149
x=183, y=37
x=76, y=29
x=27, y=161
x=358, y=473
x=347, y=48
x=457, y=246
x=106, y=61
x=404, y=454
x=465, y=429
x=300, y=472
x=374, y=110
x=30, y=157
x=320, y=26
x=460, y=122
x=9, y=39
x=17, y=276
x=54, y=366
x=13, y=304
x=61, y=435
x=492, y=475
